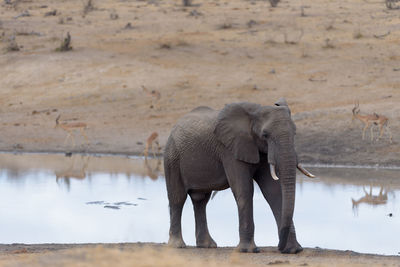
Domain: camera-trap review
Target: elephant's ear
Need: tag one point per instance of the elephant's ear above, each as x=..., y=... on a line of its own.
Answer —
x=233, y=129
x=282, y=103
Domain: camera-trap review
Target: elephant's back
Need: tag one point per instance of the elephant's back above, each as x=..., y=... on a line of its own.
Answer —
x=195, y=129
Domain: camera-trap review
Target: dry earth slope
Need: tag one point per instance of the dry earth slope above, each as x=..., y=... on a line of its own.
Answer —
x=322, y=56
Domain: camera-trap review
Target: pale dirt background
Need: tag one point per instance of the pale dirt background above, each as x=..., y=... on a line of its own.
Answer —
x=321, y=55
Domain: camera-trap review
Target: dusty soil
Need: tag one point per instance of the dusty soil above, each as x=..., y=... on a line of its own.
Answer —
x=159, y=255
x=322, y=56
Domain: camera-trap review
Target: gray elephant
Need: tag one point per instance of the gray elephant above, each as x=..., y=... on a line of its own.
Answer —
x=213, y=150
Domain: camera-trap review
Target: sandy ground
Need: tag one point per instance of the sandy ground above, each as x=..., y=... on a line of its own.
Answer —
x=159, y=255
x=322, y=56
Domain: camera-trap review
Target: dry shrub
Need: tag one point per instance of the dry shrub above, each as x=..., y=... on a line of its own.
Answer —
x=65, y=45
x=88, y=7
x=165, y=46
x=225, y=26
x=328, y=44
x=358, y=35
x=273, y=3
x=12, y=45
x=114, y=15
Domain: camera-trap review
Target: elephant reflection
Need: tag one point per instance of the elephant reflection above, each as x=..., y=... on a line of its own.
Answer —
x=370, y=199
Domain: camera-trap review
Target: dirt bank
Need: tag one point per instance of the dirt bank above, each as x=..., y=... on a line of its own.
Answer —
x=321, y=56
x=159, y=255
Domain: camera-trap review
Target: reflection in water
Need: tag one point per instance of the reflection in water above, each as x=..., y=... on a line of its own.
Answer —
x=370, y=199
x=73, y=170
x=122, y=199
x=153, y=170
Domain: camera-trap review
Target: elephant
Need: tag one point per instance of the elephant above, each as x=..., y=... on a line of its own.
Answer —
x=210, y=150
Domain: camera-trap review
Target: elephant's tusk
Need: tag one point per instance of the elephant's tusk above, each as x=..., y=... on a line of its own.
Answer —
x=273, y=173
x=304, y=171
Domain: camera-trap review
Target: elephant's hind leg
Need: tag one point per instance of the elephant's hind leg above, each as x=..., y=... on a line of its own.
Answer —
x=203, y=238
x=177, y=197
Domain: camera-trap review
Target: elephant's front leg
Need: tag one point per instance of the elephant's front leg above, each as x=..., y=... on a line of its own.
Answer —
x=242, y=187
x=203, y=238
x=272, y=192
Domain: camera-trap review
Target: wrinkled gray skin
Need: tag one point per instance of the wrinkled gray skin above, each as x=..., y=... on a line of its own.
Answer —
x=213, y=150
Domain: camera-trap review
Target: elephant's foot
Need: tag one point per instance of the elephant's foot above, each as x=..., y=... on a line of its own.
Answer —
x=249, y=247
x=292, y=248
x=206, y=243
x=289, y=245
x=176, y=242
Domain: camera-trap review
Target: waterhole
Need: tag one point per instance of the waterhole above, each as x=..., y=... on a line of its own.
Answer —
x=108, y=199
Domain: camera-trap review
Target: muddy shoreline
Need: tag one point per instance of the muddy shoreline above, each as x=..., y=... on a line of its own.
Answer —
x=392, y=164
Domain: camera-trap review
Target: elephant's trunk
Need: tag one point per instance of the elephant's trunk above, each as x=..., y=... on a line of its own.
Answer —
x=283, y=158
x=287, y=173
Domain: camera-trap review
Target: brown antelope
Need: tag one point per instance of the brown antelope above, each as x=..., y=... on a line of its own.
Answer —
x=372, y=119
x=70, y=128
x=153, y=138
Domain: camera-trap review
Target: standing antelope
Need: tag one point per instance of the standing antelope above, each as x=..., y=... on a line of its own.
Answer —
x=371, y=119
x=153, y=138
x=70, y=128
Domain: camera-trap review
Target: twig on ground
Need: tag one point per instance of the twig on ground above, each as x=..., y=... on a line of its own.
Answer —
x=382, y=35
x=23, y=14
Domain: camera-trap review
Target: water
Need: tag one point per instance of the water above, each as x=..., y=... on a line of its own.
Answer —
x=81, y=199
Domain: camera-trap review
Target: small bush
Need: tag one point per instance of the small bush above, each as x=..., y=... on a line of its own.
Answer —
x=12, y=45
x=358, y=35
x=65, y=45
x=328, y=44
x=88, y=7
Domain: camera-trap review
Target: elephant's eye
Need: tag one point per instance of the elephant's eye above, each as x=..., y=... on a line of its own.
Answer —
x=265, y=135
